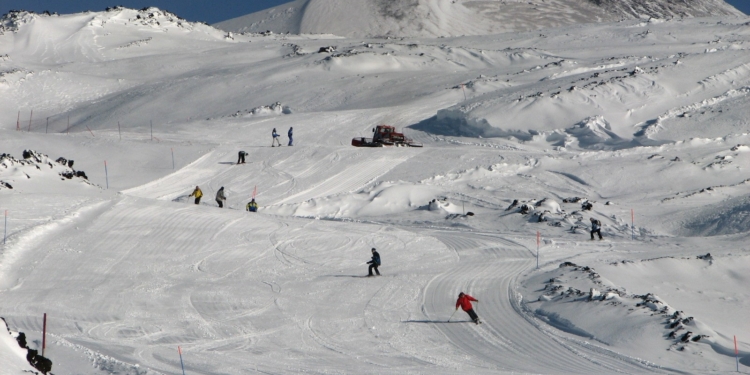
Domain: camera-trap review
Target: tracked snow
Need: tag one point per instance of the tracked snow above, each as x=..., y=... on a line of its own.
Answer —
x=640, y=124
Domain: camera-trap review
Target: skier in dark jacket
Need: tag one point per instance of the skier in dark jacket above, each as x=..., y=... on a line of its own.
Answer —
x=464, y=301
x=596, y=227
x=374, y=263
x=289, y=133
x=241, y=157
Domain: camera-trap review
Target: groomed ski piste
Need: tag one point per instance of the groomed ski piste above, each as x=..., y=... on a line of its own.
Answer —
x=645, y=117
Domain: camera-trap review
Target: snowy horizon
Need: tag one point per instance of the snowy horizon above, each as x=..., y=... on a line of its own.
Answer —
x=644, y=119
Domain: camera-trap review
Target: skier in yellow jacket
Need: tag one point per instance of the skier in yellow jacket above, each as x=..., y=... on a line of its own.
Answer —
x=197, y=193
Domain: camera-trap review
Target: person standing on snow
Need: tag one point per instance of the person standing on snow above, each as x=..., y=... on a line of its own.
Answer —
x=464, y=301
x=289, y=133
x=197, y=193
x=252, y=206
x=221, y=197
x=374, y=263
x=241, y=157
x=275, y=138
x=596, y=227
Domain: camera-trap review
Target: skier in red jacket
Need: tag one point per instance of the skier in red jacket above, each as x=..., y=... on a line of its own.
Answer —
x=464, y=300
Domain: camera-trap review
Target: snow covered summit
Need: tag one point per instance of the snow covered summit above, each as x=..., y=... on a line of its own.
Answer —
x=433, y=18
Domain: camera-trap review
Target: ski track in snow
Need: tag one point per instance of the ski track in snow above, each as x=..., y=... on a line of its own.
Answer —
x=506, y=341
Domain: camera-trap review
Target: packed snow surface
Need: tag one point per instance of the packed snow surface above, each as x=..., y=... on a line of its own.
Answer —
x=641, y=124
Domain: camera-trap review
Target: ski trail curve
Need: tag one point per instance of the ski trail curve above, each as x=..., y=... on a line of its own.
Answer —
x=509, y=340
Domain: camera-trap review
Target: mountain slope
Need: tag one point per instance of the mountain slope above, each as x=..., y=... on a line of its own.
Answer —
x=431, y=18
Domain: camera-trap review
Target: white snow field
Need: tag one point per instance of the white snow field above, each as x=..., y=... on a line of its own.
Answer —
x=442, y=18
x=642, y=117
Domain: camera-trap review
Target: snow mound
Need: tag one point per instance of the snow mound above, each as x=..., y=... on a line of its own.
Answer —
x=593, y=132
x=12, y=356
x=580, y=300
x=36, y=171
x=358, y=18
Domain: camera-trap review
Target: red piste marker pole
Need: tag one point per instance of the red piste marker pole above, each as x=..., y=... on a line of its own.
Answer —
x=106, y=175
x=538, y=241
x=44, y=334
x=181, y=363
x=255, y=190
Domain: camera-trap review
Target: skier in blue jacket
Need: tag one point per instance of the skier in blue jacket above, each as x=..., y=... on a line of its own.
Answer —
x=289, y=133
x=374, y=263
x=275, y=138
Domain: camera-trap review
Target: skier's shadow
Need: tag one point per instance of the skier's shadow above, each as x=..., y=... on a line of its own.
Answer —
x=358, y=276
x=227, y=162
x=436, y=321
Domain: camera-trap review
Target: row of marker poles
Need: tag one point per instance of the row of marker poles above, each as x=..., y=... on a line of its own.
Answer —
x=538, y=242
x=179, y=350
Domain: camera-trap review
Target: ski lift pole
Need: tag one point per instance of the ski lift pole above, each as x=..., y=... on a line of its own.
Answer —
x=181, y=363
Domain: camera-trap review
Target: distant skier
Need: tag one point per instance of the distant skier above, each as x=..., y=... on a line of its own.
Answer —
x=289, y=133
x=241, y=157
x=374, y=263
x=275, y=138
x=252, y=206
x=596, y=227
x=197, y=193
x=464, y=301
x=221, y=197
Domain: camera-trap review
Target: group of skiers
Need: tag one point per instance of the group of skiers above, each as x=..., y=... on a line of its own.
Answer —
x=221, y=197
x=276, y=136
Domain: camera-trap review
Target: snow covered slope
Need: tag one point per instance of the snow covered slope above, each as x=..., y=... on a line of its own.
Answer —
x=434, y=18
x=645, y=120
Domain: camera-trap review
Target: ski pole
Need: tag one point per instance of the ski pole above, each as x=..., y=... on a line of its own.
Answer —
x=454, y=313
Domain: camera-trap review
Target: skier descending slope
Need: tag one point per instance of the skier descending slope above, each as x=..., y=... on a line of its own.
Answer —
x=375, y=262
x=464, y=301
